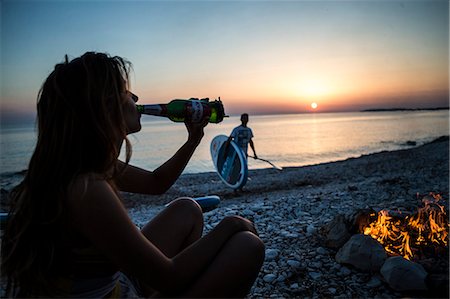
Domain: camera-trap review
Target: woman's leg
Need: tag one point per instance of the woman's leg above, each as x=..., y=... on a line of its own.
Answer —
x=176, y=227
x=233, y=271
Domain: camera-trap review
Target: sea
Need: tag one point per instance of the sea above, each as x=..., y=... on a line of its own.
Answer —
x=285, y=140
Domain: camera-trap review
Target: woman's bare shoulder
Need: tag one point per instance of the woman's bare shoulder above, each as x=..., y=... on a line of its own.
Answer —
x=89, y=186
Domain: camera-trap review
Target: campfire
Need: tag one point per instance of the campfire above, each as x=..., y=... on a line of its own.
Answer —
x=412, y=234
x=409, y=249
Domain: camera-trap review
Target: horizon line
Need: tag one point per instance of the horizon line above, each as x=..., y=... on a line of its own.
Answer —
x=12, y=119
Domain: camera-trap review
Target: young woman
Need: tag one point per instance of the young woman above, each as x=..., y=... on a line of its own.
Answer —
x=69, y=234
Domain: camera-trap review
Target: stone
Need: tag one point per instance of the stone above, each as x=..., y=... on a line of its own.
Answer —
x=315, y=275
x=321, y=251
x=294, y=264
x=404, y=275
x=271, y=254
x=362, y=252
x=332, y=291
x=310, y=229
x=336, y=233
x=374, y=282
x=345, y=271
x=269, y=278
x=352, y=188
x=248, y=212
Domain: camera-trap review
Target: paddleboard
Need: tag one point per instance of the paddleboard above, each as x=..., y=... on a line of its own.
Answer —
x=3, y=219
x=208, y=203
x=230, y=163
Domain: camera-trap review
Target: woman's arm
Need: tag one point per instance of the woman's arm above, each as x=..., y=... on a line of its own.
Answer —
x=137, y=180
x=100, y=216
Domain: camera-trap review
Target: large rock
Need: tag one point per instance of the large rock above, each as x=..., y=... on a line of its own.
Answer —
x=336, y=232
x=404, y=275
x=362, y=252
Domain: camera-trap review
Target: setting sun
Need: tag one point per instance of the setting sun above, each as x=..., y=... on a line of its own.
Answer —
x=314, y=105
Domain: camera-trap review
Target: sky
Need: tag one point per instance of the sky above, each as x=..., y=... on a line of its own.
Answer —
x=260, y=57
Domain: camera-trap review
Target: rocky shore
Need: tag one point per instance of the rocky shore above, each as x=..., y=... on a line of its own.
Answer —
x=291, y=207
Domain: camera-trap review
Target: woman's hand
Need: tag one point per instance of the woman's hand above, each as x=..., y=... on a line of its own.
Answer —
x=196, y=131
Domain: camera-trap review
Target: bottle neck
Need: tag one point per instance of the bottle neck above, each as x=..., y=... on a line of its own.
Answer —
x=154, y=109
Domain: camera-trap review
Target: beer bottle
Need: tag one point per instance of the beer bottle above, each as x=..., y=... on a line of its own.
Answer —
x=192, y=110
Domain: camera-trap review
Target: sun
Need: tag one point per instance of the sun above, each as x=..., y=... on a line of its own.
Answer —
x=314, y=105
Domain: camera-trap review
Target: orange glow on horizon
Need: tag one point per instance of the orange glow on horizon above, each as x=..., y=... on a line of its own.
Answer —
x=277, y=98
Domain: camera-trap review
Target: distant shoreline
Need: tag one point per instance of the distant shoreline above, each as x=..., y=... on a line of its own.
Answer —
x=19, y=121
x=404, y=109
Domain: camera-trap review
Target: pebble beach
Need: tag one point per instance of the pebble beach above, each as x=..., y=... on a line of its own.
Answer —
x=290, y=208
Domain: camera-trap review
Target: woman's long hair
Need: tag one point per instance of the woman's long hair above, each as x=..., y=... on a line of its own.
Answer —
x=79, y=118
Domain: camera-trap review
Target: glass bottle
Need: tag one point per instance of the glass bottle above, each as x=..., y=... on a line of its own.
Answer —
x=192, y=110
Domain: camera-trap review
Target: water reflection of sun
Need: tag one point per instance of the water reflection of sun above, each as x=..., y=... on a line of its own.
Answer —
x=314, y=105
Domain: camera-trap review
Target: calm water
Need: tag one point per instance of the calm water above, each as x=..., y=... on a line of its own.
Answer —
x=286, y=140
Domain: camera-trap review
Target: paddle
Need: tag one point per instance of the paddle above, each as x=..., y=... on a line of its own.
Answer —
x=267, y=161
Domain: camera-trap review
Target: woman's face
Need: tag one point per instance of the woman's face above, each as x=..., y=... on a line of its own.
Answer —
x=131, y=115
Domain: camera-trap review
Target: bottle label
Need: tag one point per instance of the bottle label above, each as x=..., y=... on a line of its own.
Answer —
x=197, y=111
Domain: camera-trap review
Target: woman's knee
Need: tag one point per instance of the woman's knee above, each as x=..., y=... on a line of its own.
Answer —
x=188, y=206
x=251, y=245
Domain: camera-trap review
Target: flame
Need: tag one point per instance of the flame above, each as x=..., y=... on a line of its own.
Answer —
x=402, y=236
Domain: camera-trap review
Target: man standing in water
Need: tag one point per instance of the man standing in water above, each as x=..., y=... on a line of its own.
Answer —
x=243, y=135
